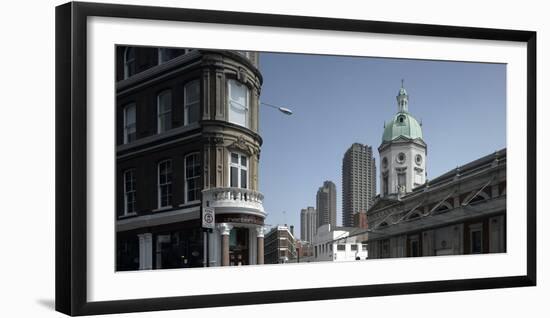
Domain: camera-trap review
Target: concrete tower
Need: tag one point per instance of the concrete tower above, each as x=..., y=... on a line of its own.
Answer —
x=326, y=204
x=402, y=151
x=358, y=181
x=308, y=224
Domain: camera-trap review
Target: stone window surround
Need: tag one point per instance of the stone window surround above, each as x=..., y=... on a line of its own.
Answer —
x=239, y=168
x=196, y=153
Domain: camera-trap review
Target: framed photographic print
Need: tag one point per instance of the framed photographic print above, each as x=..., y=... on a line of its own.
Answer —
x=210, y=158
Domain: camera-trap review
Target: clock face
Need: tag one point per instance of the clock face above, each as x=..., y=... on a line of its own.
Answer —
x=418, y=160
x=401, y=157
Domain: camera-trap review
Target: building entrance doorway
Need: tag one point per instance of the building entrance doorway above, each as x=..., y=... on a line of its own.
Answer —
x=238, y=247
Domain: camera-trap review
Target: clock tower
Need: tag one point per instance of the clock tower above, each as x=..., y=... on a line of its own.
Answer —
x=402, y=151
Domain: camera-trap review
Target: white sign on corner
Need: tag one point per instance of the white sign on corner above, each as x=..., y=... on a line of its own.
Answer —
x=208, y=218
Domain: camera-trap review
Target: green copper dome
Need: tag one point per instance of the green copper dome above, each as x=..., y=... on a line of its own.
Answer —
x=402, y=124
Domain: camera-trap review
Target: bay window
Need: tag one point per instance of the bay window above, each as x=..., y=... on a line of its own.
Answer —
x=238, y=103
x=238, y=171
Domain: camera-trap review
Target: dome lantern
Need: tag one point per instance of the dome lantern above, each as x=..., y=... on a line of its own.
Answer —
x=402, y=123
x=402, y=100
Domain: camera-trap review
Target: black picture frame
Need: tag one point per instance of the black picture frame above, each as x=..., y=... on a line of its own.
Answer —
x=71, y=157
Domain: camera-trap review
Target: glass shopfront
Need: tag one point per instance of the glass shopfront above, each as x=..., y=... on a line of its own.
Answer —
x=239, y=246
x=127, y=253
x=178, y=249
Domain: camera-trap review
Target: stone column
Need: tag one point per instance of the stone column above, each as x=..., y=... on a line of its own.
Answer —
x=260, y=243
x=225, y=230
x=145, y=251
x=206, y=94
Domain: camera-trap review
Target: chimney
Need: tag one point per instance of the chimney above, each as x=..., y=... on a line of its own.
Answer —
x=292, y=230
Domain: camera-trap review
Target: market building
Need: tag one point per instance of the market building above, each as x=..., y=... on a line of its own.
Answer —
x=460, y=212
x=187, y=136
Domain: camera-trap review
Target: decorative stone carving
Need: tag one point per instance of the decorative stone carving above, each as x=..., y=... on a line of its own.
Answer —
x=241, y=145
x=213, y=140
x=260, y=230
x=216, y=140
x=241, y=75
x=224, y=228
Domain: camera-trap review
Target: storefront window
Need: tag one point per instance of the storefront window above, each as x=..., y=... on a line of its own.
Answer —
x=179, y=249
x=238, y=247
x=127, y=253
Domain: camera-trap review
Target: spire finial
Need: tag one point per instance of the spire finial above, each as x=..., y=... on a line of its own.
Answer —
x=402, y=99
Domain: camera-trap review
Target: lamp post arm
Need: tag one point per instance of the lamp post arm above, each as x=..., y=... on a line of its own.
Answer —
x=283, y=110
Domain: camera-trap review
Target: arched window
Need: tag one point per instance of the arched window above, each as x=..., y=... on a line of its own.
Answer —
x=444, y=207
x=478, y=198
x=129, y=62
x=413, y=216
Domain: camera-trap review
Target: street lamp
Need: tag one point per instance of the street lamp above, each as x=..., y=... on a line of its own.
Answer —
x=283, y=110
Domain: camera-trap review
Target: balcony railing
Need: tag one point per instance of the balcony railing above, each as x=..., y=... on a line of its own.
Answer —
x=239, y=198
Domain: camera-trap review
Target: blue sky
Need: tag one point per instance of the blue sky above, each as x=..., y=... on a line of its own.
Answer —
x=340, y=100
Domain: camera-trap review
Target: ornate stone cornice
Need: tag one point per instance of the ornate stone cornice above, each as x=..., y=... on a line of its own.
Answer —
x=218, y=58
x=227, y=130
x=402, y=139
